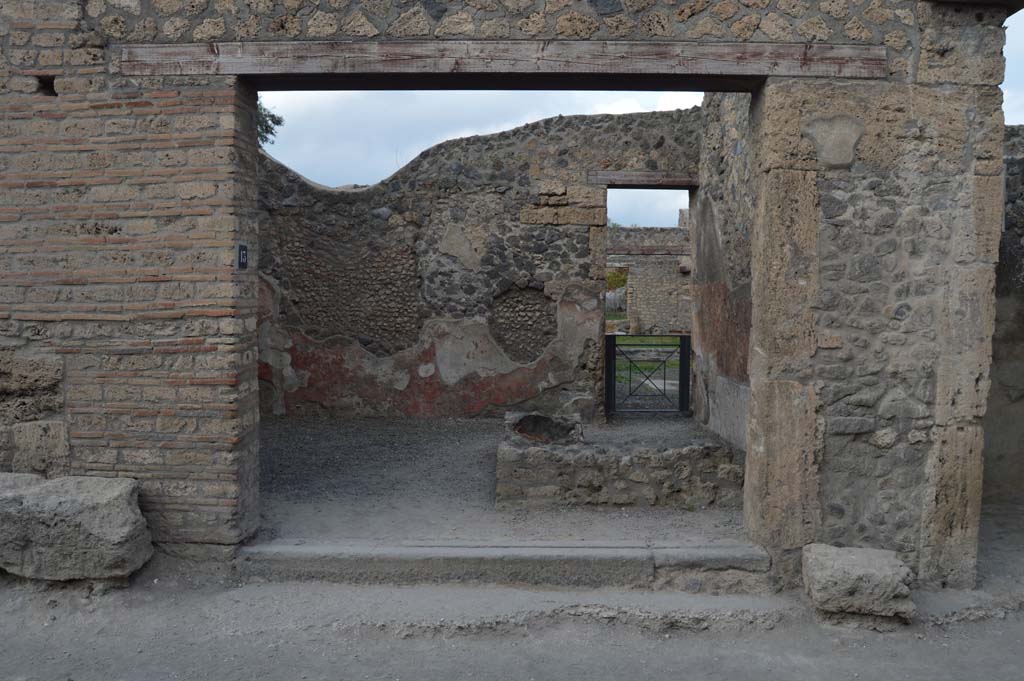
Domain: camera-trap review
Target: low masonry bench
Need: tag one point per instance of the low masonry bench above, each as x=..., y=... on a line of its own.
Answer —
x=547, y=461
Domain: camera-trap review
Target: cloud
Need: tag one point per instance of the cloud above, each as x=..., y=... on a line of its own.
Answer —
x=337, y=138
x=1013, y=83
x=679, y=100
x=646, y=207
x=1013, y=106
x=620, y=105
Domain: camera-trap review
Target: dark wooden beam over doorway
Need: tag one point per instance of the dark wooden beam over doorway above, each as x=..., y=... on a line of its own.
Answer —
x=474, y=63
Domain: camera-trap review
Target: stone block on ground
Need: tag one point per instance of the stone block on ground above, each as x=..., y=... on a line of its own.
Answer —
x=71, y=528
x=858, y=581
x=542, y=428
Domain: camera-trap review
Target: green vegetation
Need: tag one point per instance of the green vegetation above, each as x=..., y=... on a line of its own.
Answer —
x=652, y=369
x=672, y=341
x=616, y=278
x=267, y=123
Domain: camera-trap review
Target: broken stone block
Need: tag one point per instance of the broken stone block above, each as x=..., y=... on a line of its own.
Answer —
x=40, y=447
x=562, y=430
x=71, y=527
x=32, y=372
x=857, y=581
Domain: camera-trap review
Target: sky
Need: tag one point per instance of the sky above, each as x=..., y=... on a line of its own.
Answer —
x=352, y=137
x=355, y=137
x=1013, y=84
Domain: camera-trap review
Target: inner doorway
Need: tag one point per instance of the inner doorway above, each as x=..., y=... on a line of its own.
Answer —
x=383, y=429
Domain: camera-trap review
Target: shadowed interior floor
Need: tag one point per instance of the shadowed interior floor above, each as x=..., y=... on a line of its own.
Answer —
x=1001, y=548
x=431, y=482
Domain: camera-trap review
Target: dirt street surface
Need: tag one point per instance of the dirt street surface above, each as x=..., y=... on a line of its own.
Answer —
x=166, y=628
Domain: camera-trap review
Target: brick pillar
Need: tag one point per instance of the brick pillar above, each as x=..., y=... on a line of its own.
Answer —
x=123, y=203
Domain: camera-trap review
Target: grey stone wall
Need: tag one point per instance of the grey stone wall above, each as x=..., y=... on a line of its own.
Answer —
x=1004, y=416
x=723, y=216
x=468, y=281
x=873, y=313
x=893, y=23
x=659, y=261
x=862, y=428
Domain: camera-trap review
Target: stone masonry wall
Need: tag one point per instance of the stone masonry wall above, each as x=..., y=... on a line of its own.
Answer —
x=893, y=23
x=873, y=316
x=658, y=283
x=723, y=217
x=879, y=208
x=468, y=281
x=614, y=468
x=1004, y=417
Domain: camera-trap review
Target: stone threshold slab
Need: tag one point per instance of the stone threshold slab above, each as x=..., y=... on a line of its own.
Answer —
x=534, y=565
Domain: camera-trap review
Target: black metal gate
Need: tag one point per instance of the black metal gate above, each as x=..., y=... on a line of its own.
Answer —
x=646, y=373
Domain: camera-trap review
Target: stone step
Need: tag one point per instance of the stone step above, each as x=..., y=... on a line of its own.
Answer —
x=719, y=568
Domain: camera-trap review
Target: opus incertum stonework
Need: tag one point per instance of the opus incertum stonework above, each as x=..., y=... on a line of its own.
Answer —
x=846, y=227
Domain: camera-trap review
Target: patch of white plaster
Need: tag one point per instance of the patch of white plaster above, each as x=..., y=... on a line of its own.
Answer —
x=465, y=347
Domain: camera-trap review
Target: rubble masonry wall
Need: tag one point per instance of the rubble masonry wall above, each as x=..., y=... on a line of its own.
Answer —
x=467, y=282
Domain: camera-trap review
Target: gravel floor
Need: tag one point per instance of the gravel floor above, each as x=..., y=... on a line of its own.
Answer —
x=1001, y=547
x=432, y=481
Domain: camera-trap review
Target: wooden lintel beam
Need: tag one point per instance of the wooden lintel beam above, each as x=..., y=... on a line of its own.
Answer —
x=623, y=58
x=641, y=251
x=640, y=179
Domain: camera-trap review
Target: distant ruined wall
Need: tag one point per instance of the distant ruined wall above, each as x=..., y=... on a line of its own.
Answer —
x=469, y=281
x=722, y=219
x=658, y=284
x=1004, y=417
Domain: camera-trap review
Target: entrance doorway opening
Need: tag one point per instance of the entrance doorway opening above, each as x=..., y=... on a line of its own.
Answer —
x=400, y=320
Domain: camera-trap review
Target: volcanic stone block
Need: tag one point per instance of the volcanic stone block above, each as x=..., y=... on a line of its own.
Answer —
x=541, y=428
x=857, y=581
x=40, y=447
x=71, y=527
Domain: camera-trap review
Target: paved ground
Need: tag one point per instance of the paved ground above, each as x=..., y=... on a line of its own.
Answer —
x=407, y=482
x=176, y=630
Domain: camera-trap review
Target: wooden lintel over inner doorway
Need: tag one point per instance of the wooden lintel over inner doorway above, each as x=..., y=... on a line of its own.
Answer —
x=474, y=63
x=640, y=179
